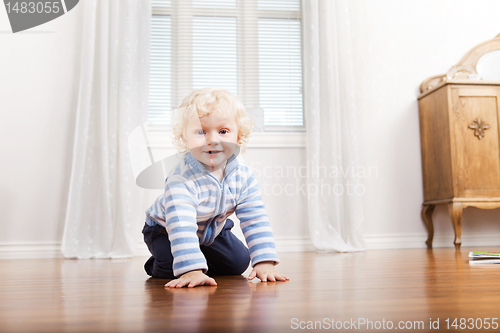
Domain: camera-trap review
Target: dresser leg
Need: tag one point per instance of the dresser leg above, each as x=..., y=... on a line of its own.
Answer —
x=455, y=210
x=427, y=211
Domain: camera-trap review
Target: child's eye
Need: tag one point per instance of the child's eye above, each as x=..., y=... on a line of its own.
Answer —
x=200, y=132
x=223, y=131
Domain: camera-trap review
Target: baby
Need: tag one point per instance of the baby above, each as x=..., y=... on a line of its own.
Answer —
x=187, y=229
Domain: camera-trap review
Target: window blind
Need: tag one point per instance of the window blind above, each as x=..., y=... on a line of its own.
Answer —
x=279, y=4
x=215, y=57
x=280, y=72
x=214, y=3
x=252, y=48
x=160, y=75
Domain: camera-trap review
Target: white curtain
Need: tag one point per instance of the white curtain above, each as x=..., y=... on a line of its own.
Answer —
x=335, y=212
x=104, y=215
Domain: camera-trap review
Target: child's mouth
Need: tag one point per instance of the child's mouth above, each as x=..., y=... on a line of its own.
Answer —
x=213, y=152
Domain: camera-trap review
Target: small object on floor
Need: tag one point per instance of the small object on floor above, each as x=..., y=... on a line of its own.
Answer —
x=484, y=258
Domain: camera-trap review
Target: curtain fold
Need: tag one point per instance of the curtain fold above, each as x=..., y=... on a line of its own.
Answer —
x=104, y=209
x=335, y=212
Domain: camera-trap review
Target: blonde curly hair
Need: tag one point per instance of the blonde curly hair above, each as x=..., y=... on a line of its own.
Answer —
x=203, y=101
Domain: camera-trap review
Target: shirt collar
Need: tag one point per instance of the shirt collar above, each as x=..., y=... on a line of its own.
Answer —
x=231, y=164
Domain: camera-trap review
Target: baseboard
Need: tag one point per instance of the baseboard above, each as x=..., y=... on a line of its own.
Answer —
x=414, y=241
x=294, y=244
x=285, y=244
x=53, y=250
x=30, y=251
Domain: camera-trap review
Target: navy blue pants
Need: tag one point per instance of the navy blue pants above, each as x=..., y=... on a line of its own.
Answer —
x=227, y=255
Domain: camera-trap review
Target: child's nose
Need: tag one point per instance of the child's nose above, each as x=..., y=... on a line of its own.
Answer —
x=212, y=138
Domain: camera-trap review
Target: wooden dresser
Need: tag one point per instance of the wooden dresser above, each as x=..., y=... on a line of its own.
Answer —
x=460, y=137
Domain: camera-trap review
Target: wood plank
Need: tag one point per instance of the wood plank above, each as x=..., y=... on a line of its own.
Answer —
x=411, y=285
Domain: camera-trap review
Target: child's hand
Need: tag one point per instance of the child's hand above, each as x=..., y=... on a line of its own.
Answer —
x=265, y=271
x=192, y=279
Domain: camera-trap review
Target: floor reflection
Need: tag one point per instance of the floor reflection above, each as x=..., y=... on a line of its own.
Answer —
x=453, y=285
x=99, y=293
x=235, y=304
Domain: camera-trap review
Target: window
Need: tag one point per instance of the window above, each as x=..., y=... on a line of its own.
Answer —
x=252, y=48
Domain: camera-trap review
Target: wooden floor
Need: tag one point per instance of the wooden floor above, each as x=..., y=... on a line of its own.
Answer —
x=384, y=287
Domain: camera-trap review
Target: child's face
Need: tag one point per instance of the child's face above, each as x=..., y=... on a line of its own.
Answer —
x=212, y=139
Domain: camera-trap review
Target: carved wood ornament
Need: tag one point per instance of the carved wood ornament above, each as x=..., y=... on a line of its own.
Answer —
x=479, y=126
x=465, y=67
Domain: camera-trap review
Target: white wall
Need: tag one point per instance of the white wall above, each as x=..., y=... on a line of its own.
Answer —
x=398, y=45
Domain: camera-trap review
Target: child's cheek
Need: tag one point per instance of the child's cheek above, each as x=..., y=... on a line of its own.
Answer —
x=197, y=142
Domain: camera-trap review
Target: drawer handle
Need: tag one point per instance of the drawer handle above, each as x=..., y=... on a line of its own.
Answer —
x=479, y=126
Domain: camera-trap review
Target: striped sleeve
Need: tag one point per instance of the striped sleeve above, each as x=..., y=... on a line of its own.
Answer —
x=254, y=222
x=180, y=217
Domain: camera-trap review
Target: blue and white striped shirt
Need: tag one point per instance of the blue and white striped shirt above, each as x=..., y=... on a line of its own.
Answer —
x=195, y=206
